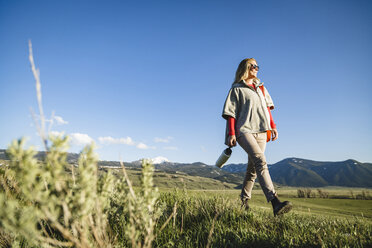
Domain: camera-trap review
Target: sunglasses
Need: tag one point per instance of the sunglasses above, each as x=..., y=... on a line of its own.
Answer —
x=253, y=67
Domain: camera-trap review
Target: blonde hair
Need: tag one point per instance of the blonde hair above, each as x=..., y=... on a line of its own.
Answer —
x=243, y=69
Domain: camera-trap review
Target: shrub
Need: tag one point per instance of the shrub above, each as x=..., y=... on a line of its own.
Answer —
x=41, y=203
x=46, y=205
x=308, y=193
x=364, y=195
x=305, y=193
x=352, y=194
x=323, y=193
x=300, y=193
x=133, y=216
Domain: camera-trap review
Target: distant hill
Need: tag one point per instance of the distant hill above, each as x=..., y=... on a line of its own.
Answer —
x=290, y=171
x=309, y=173
x=71, y=157
x=195, y=169
x=3, y=155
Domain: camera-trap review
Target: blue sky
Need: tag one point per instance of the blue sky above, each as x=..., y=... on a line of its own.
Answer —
x=149, y=78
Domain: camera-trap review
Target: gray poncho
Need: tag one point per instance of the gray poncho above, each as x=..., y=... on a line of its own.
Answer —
x=249, y=107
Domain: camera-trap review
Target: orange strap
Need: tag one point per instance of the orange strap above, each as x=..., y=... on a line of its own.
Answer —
x=262, y=89
x=268, y=132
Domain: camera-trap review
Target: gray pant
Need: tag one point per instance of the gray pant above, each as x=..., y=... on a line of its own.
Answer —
x=254, y=144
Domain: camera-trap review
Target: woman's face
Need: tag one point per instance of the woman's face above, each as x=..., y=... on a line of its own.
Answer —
x=253, y=70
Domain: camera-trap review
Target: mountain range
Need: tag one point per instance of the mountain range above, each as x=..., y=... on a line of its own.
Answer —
x=309, y=173
x=295, y=172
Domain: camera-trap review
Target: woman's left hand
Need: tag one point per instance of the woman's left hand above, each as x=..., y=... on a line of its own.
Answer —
x=274, y=134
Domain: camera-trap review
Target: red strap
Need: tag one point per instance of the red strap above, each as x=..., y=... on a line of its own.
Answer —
x=272, y=123
x=252, y=85
x=262, y=89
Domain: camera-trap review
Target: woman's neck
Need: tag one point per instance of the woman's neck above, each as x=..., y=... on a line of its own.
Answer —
x=249, y=80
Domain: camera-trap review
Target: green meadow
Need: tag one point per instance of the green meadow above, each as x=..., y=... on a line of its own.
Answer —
x=214, y=218
x=340, y=202
x=338, y=208
x=187, y=211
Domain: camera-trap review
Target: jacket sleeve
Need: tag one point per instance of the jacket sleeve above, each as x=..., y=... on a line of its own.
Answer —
x=230, y=107
x=269, y=101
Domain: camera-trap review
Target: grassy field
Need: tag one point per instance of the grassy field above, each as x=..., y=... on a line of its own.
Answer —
x=214, y=218
x=209, y=218
x=338, y=205
x=344, y=208
x=202, y=212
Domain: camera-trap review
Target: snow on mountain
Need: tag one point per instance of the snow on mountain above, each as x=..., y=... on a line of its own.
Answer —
x=159, y=160
x=156, y=160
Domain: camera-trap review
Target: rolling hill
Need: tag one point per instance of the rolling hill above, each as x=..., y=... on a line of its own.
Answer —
x=309, y=173
x=296, y=172
x=349, y=173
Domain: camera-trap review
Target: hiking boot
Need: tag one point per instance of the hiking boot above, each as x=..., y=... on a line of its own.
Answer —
x=245, y=204
x=281, y=207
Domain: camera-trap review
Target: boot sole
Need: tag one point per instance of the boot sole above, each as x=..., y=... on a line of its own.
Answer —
x=284, y=210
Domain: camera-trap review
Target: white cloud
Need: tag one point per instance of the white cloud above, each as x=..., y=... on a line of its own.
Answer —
x=127, y=141
x=56, y=133
x=144, y=146
x=110, y=140
x=60, y=120
x=163, y=140
x=81, y=139
x=170, y=148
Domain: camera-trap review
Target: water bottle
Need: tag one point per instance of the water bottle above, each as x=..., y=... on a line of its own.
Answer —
x=223, y=157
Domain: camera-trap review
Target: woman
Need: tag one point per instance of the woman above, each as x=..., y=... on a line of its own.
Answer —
x=250, y=123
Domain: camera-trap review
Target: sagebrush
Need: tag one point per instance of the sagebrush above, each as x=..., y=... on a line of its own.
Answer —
x=44, y=204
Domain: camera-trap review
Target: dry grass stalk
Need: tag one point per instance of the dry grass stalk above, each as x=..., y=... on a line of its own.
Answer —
x=174, y=213
x=36, y=73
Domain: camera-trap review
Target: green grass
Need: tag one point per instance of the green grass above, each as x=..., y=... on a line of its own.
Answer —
x=343, y=208
x=339, y=204
x=208, y=214
x=216, y=219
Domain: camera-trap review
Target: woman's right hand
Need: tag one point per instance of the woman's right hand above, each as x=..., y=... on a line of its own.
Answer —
x=231, y=140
